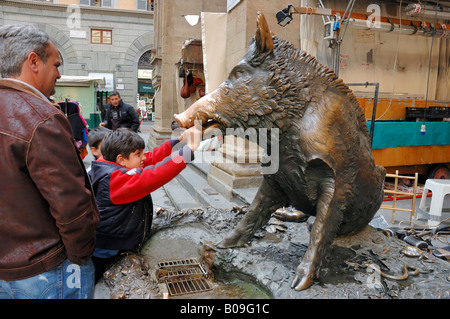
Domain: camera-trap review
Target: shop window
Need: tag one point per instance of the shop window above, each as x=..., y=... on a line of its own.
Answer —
x=96, y=3
x=141, y=5
x=101, y=36
x=147, y=5
x=107, y=3
x=145, y=61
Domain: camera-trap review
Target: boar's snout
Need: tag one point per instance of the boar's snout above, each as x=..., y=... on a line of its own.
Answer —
x=202, y=110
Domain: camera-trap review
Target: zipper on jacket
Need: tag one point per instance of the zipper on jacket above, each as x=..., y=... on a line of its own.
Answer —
x=145, y=229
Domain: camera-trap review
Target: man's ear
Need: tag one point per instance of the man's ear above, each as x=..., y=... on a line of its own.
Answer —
x=121, y=160
x=32, y=61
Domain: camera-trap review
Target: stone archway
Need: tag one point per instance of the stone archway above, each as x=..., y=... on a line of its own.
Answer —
x=137, y=48
x=145, y=88
x=62, y=43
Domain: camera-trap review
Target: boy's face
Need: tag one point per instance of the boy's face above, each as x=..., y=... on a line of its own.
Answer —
x=135, y=160
x=96, y=151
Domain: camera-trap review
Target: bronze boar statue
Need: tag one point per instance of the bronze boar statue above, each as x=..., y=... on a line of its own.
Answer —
x=326, y=168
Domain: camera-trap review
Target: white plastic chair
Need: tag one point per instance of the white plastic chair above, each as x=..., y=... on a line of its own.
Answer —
x=439, y=188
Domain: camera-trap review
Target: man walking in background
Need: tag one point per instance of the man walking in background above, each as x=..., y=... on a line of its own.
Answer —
x=119, y=114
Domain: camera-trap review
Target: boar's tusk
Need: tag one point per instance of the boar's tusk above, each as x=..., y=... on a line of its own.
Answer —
x=207, y=130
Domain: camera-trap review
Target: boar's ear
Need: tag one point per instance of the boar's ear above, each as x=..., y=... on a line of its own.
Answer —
x=263, y=38
x=264, y=41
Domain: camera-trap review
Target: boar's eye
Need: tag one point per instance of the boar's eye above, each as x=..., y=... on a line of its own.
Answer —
x=239, y=71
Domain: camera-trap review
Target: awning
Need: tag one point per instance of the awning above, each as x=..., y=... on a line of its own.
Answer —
x=74, y=80
x=146, y=88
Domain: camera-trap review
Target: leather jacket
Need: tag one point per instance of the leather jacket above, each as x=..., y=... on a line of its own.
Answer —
x=47, y=209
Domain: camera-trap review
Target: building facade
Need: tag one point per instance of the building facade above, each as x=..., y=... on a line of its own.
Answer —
x=138, y=47
x=94, y=39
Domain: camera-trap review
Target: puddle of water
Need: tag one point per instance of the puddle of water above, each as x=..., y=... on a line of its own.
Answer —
x=230, y=286
x=231, y=289
x=183, y=243
x=238, y=286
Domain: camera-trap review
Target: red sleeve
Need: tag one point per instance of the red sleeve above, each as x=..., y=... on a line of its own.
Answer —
x=136, y=183
x=159, y=153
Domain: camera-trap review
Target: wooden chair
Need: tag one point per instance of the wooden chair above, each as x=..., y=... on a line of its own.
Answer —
x=399, y=195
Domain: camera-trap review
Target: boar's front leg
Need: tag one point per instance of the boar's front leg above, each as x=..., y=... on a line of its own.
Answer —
x=266, y=201
x=328, y=219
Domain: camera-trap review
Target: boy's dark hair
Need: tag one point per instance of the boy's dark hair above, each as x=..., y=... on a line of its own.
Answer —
x=123, y=141
x=96, y=135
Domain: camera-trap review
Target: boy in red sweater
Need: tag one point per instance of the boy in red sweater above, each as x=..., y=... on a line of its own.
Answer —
x=123, y=179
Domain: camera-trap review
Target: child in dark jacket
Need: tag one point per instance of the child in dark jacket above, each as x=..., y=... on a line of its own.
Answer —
x=123, y=179
x=95, y=138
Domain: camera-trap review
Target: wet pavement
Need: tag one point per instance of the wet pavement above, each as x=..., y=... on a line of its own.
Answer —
x=369, y=265
x=272, y=256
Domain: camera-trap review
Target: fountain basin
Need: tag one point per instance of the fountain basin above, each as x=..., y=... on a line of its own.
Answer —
x=265, y=267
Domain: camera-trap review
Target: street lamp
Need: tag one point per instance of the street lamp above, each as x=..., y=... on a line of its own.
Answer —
x=284, y=16
x=191, y=19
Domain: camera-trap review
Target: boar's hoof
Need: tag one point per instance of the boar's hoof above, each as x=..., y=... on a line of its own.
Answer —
x=231, y=242
x=305, y=283
x=303, y=277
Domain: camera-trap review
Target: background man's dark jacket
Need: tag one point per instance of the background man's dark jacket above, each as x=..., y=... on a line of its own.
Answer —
x=128, y=116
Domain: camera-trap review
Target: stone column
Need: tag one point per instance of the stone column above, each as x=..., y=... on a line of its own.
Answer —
x=239, y=167
x=163, y=77
x=164, y=105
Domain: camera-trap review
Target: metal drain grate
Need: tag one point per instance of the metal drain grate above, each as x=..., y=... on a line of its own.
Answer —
x=180, y=286
x=185, y=276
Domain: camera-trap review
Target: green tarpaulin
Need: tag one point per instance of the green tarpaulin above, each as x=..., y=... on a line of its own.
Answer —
x=396, y=134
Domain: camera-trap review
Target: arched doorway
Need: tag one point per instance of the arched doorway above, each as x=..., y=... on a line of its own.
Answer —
x=146, y=91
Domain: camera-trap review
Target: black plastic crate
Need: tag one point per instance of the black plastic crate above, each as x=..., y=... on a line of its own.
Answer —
x=432, y=112
x=414, y=112
x=438, y=112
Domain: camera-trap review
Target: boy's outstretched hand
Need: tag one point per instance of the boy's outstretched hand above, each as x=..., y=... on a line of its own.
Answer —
x=192, y=136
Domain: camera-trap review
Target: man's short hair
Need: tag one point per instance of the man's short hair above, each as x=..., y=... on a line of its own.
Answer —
x=123, y=141
x=114, y=93
x=17, y=41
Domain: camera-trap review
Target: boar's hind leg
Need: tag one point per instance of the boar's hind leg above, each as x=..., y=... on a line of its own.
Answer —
x=326, y=225
x=266, y=201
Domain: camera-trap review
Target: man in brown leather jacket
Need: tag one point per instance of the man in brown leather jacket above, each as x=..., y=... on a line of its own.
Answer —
x=48, y=214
